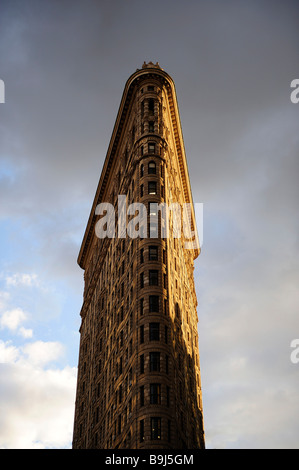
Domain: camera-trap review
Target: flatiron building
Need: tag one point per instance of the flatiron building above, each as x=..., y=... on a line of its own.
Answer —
x=139, y=384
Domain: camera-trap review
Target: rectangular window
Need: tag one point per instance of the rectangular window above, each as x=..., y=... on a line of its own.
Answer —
x=141, y=306
x=155, y=428
x=141, y=395
x=155, y=394
x=151, y=148
x=169, y=431
x=154, y=362
x=142, y=364
x=141, y=334
x=153, y=277
x=141, y=256
x=151, y=105
x=141, y=280
x=141, y=430
x=153, y=253
x=154, y=303
x=154, y=331
x=152, y=168
x=166, y=364
x=152, y=187
x=151, y=126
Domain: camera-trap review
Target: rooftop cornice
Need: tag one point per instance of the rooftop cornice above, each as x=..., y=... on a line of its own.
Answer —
x=148, y=71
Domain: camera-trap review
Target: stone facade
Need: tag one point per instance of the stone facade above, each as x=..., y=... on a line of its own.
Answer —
x=138, y=374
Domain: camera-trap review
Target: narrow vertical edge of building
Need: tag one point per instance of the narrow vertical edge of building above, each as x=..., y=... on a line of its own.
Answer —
x=139, y=383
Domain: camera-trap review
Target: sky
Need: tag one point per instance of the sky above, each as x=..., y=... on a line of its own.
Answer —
x=64, y=65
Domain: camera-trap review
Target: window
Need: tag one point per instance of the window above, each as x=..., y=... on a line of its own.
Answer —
x=152, y=187
x=141, y=255
x=141, y=395
x=151, y=126
x=142, y=364
x=154, y=331
x=141, y=306
x=168, y=396
x=141, y=190
x=151, y=148
x=153, y=253
x=155, y=394
x=141, y=166
x=154, y=303
x=141, y=280
x=169, y=431
x=154, y=362
x=151, y=105
x=150, y=88
x=155, y=428
x=153, y=277
x=141, y=430
x=166, y=364
x=153, y=209
x=152, y=168
x=141, y=334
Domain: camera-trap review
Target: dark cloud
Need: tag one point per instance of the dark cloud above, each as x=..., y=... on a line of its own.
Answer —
x=65, y=64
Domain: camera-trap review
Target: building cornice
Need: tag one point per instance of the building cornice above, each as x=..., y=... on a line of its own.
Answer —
x=148, y=71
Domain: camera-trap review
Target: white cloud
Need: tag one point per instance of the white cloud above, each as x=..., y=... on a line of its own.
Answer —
x=28, y=280
x=8, y=353
x=25, y=332
x=40, y=353
x=11, y=319
x=36, y=404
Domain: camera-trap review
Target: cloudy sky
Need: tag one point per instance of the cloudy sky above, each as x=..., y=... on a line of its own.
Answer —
x=64, y=65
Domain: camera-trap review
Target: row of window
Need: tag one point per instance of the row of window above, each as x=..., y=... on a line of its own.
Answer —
x=153, y=278
x=154, y=362
x=154, y=332
x=151, y=166
x=154, y=302
x=156, y=425
x=152, y=148
x=155, y=394
x=151, y=189
x=150, y=105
